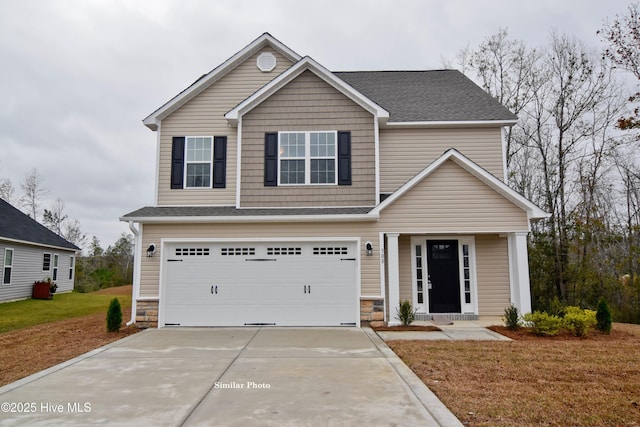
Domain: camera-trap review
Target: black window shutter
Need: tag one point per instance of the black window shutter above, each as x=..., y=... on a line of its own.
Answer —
x=177, y=162
x=344, y=158
x=219, y=161
x=270, y=159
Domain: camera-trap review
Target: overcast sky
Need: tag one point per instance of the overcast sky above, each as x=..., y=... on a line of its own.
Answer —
x=77, y=77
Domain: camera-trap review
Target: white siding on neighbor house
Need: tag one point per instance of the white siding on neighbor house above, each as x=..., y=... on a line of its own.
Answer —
x=27, y=269
x=406, y=152
x=204, y=116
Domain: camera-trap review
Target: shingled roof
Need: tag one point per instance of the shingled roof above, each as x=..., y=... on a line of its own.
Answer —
x=425, y=96
x=14, y=225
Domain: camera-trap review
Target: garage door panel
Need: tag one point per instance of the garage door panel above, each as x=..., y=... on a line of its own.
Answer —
x=228, y=284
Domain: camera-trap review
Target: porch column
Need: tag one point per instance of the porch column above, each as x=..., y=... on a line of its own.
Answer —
x=393, y=271
x=519, y=269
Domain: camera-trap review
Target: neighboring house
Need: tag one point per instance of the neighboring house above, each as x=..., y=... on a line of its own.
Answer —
x=31, y=253
x=288, y=194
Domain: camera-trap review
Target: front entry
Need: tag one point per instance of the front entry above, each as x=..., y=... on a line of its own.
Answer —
x=443, y=276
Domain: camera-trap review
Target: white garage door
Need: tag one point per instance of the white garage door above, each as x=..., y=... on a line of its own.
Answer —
x=239, y=283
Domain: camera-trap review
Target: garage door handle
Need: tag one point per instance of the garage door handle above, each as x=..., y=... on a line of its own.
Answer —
x=307, y=289
x=214, y=289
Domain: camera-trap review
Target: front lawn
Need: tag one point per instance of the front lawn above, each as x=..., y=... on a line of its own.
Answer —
x=26, y=313
x=534, y=381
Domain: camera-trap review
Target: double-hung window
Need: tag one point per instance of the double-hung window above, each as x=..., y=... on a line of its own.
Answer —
x=46, y=262
x=198, y=161
x=8, y=266
x=307, y=158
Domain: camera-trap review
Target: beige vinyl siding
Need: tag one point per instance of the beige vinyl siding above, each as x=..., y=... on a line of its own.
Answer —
x=406, y=152
x=204, y=116
x=370, y=265
x=308, y=104
x=406, y=275
x=451, y=200
x=492, y=270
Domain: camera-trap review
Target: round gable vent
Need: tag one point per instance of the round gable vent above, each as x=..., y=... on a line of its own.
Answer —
x=266, y=62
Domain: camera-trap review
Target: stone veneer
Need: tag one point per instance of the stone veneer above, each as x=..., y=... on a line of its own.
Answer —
x=147, y=314
x=372, y=312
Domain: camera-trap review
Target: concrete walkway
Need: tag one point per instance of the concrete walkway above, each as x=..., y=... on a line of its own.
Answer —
x=460, y=330
x=229, y=377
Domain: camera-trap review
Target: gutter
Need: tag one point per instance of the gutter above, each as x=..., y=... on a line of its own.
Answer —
x=136, y=272
x=240, y=219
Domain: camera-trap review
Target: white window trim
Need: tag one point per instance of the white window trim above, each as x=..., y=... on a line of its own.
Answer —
x=50, y=262
x=72, y=265
x=307, y=158
x=55, y=262
x=193, y=162
x=4, y=264
x=471, y=308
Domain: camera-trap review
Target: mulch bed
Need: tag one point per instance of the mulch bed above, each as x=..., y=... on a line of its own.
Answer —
x=419, y=328
x=526, y=334
x=30, y=350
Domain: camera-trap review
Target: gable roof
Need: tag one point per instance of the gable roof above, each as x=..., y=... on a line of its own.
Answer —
x=428, y=96
x=16, y=226
x=532, y=210
x=294, y=71
x=266, y=39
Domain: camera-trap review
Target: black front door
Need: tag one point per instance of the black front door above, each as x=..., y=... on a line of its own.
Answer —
x=444, y=276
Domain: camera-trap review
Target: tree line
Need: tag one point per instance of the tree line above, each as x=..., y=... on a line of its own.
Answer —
x=573, y=152
x=96, y=267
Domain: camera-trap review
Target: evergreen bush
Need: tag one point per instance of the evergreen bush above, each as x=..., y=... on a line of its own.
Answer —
x=406, y=314
x=603, y=317
x=512, y=318
x=543, y=323
x=579, y=321
x=114, y=316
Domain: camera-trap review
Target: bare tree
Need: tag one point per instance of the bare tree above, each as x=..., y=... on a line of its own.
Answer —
x=34, y=190
x=58, y=221
x=54, y=218
x=8, y=192
x=623, y=39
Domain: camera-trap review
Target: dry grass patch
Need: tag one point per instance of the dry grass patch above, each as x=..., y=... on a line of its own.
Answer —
x=534, y=381
x=30, y=350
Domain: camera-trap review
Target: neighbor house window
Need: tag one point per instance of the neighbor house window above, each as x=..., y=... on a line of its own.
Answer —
x=72, y=261
x=307, y=157
x=46, y=262
x=55, y=267
x=8, y=266
x=198, y=161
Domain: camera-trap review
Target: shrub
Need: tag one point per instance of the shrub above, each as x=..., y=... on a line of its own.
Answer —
x=406, y=313
x=603, y=317
x=578, y=321
x=543, y=323
x=512, y=318
x=114, y=316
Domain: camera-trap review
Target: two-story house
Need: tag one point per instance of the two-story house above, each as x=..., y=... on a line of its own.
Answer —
x=287, y=194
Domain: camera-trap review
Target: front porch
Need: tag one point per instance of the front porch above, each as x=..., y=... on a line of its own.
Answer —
x=462, y=276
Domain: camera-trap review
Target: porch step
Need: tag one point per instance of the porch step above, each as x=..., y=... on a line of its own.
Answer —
x=452, y=316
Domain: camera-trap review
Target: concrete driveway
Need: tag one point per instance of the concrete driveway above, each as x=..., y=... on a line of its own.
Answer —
x=229, y=377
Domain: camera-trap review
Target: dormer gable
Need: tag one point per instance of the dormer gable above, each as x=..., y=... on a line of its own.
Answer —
x=264, y=63
x=306, y=64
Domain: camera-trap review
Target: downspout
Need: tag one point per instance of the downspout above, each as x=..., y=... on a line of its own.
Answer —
x=136, y=272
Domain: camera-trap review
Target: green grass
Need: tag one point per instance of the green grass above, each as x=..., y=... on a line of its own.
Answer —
x=31, y=312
